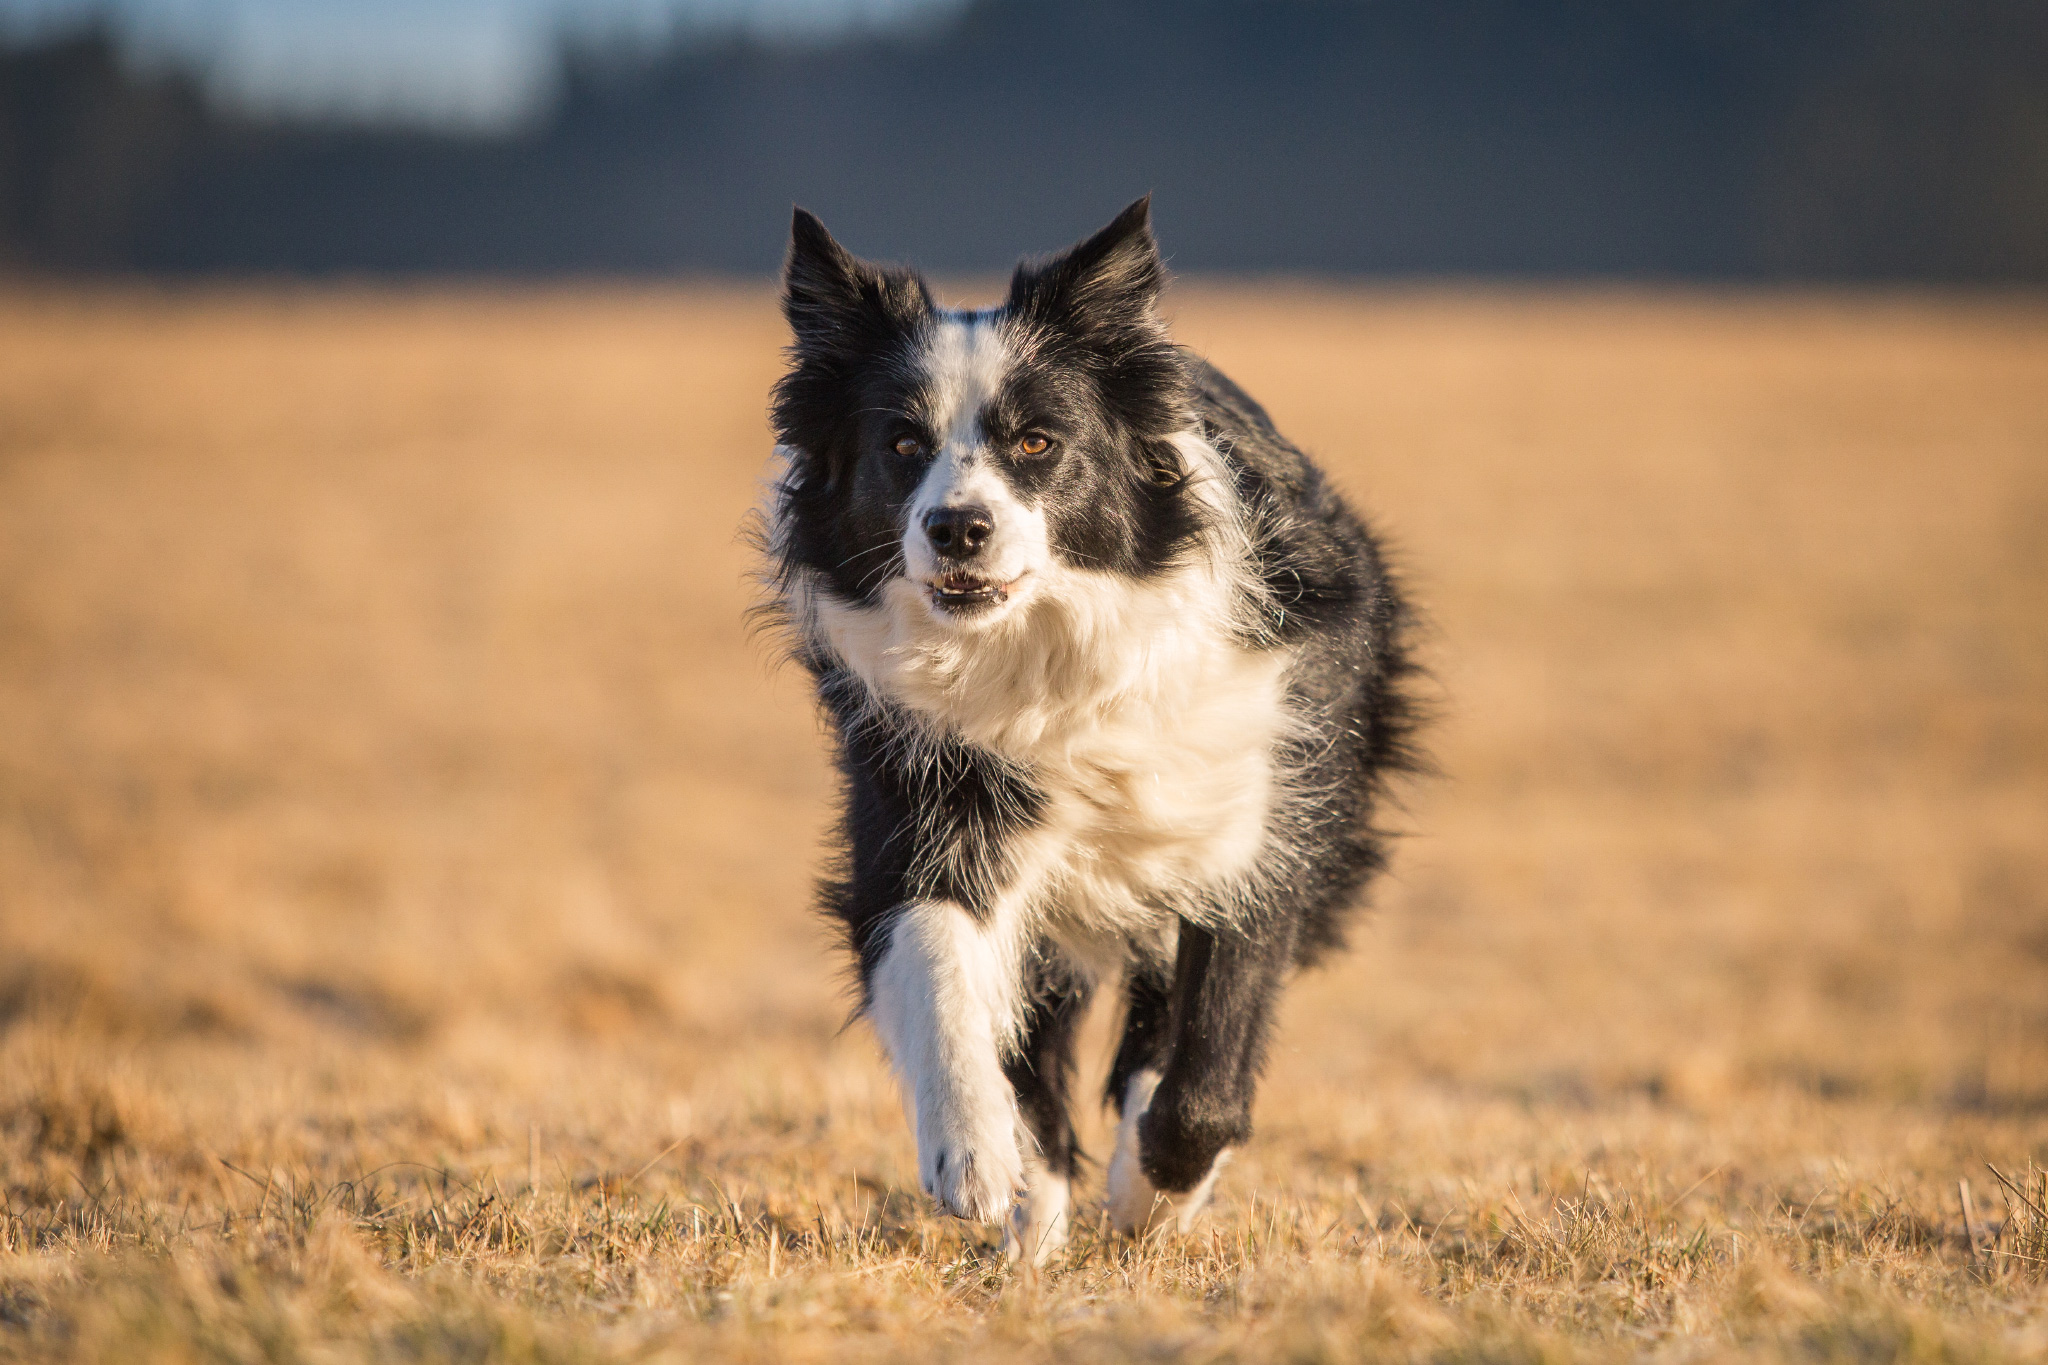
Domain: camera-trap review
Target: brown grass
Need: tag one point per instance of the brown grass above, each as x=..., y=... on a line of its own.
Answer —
x=404, y=852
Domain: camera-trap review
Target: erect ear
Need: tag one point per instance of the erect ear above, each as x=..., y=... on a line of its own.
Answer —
x=845, y=313
x=1098, y=302
x=836, y=302
x=1110, y=282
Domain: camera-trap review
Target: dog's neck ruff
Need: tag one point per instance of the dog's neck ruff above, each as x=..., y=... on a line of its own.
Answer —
x=1090, y=654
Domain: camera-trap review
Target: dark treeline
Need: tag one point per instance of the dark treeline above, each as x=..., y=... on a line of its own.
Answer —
x=1730, y=139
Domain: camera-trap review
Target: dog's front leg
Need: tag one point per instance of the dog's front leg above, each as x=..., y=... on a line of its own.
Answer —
x=944, y=998
x=1187, y=1108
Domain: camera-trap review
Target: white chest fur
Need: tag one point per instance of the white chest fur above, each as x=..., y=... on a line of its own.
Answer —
x=1134, y=707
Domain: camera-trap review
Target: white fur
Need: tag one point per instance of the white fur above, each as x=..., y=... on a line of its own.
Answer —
x=944, y=999
x=1038, y=1225
x=964, y=363
x=1136, y=1206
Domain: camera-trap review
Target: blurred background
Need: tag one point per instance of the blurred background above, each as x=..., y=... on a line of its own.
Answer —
x=1722, y=140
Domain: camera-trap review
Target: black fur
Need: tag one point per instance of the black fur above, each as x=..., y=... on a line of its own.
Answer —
x=850, y=390
x=928, y=816
x=1042, y=1072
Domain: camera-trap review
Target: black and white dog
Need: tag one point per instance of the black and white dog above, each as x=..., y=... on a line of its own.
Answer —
x=1116, y=678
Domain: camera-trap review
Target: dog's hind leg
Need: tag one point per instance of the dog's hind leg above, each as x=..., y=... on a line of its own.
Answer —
x=1141, y=1054
x=1041, y=1071
x=1188, y=1068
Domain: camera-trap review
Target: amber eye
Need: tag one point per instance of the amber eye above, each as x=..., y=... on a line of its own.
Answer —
x=1034, y=444
x=907, y=446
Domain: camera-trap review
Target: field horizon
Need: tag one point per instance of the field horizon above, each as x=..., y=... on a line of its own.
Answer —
x=406, y=950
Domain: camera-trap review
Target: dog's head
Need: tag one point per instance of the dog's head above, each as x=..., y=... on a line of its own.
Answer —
x=981, y=457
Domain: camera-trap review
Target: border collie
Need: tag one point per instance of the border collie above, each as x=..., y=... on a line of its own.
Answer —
x=1116, y=679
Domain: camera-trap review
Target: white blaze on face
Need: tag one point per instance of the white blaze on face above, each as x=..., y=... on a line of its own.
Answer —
x=965, y=362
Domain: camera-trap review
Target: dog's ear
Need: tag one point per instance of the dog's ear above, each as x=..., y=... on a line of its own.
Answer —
x=845, y=313
x=838, y=303
x=1109, y=283
x=1097, y=303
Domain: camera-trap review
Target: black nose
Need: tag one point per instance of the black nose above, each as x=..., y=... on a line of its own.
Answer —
x=958, y=532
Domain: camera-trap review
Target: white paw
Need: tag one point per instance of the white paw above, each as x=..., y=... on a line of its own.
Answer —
x=1131, y=1195
x=968, y=1159
x=1038, y=1225
x=941, y=999
x=1136, y=1206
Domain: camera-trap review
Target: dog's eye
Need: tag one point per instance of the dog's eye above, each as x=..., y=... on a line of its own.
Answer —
x=1035, y=444
x=907, y=446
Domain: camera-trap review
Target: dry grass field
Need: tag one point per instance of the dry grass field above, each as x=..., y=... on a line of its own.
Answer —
x=404, y=851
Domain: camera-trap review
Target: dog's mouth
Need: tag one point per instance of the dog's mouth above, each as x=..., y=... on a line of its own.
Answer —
x=966, y=593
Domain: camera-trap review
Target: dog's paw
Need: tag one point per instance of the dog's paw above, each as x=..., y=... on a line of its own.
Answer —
x=969, y=1160
x=1038, y=1225
x=979, y=1184
x=1132, y=1198
x=1137, y=1206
